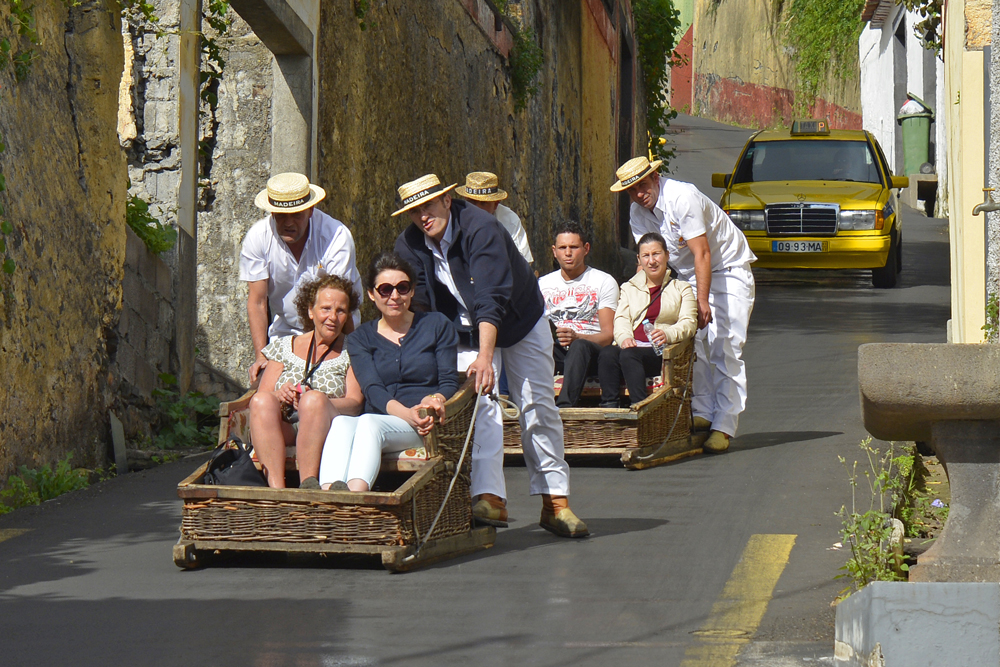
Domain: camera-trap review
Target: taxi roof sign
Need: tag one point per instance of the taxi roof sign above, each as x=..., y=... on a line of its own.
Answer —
x=810, y=127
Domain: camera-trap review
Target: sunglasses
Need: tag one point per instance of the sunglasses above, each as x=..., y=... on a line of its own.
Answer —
x=385, y=289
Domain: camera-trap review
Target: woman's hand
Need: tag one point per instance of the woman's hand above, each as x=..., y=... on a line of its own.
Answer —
x=657, y=337
x=288, y=394
x=434, y=404
x=423, y=425
x=627, y=343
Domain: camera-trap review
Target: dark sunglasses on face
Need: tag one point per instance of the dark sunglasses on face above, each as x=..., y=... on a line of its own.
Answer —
x=385, y=289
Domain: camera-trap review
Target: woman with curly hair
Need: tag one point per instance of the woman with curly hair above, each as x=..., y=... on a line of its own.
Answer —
x=307, y=382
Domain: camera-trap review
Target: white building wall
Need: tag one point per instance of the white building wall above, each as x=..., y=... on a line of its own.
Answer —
x=879, y=56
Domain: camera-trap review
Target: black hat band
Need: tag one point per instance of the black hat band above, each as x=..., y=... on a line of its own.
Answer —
x=629, y=181
x=288, y=204
x=423, y=193
x=482, y=191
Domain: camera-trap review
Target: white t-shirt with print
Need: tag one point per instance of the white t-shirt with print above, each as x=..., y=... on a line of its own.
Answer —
x=329, y=249
x=683, y=212
x=574, y=304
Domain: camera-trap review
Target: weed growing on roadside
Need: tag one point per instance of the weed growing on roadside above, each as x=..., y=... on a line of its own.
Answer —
x=867, y=527
x=34, y=486
x=991, y=329
x=187, y=421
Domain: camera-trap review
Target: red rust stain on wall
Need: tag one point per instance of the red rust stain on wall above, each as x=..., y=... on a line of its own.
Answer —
x=681, y=88
x=756, y=106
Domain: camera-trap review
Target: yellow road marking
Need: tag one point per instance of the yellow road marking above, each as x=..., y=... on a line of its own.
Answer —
x=742, y=603
x=7, y=533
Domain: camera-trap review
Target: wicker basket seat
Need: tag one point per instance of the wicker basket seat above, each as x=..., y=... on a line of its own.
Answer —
x=390, y=523
x=639, y=434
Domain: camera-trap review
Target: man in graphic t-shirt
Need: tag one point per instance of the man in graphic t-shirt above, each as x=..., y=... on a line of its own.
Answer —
x=580, y=302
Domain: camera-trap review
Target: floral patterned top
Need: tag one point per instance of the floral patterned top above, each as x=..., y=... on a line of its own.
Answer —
x=329, y=378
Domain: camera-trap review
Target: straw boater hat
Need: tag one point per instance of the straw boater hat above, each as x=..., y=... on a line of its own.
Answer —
x=289, y=193
x=423, y=189
x=634, y=171
x=481, y=186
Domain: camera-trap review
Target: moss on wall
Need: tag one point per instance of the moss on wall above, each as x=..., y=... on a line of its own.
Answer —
x=66, y=199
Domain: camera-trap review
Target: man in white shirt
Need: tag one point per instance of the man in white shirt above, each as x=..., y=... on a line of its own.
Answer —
x=293, y=245
x=482, y=189
x=707, y=250
x=580, y=302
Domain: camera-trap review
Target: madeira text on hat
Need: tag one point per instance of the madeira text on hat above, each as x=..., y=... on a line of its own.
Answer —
x=289, y=193
x=634, y=171
x=423, y=189
x=481, y=186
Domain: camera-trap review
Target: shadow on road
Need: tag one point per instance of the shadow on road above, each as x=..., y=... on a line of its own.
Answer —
x=774, y=438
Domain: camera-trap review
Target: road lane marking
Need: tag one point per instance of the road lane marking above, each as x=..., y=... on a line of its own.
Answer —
x=742, y=603
x=7, y=533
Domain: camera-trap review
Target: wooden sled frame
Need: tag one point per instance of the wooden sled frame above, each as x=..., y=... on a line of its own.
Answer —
x=389, y=524
x=635, y=433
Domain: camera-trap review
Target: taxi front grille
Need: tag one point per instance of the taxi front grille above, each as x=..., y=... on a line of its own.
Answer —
x=802, y=219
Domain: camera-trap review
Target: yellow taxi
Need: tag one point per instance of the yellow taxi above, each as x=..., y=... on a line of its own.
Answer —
x=815, y=198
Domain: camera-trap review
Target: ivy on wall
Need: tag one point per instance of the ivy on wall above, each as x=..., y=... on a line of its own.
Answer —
x=824, y=35
x=657, y=23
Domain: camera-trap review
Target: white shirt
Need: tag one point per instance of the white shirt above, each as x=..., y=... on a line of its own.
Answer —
x=682, y=212
x=329, y=249
x=442, y=270
x=574, y=304
x=512, y=224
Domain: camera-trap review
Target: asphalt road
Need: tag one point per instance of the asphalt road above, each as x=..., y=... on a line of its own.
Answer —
x=91, y=581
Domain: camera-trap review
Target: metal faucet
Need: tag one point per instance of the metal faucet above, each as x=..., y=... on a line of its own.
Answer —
x=988, y=204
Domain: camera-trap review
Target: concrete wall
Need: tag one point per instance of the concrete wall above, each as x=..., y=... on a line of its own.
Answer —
x=893, y=64
x=965, y=36
x=428, y=92
x=745, y=74
x=65, y=196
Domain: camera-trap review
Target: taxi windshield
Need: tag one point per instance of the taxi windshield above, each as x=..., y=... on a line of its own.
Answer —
x=808, y=160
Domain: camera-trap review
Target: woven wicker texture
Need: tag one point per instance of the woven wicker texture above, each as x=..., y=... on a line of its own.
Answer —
x=344, y=523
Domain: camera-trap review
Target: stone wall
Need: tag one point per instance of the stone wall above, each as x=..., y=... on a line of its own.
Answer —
x=745, y=74
x=235, y=165
x=428, y=92
x=65, y=196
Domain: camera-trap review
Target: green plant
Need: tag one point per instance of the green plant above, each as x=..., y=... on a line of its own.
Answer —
x=157, y=236
x=34, y=486
x=991, y=330
x=929, y=29
x=656, y=26
x=361, y=9
x=867, y=527
x=187, y=420
x=824, y=34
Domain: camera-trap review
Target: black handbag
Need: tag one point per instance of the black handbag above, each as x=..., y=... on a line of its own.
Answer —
x=233, y=466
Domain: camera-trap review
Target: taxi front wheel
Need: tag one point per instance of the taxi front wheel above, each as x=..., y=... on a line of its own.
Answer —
x=885, y=277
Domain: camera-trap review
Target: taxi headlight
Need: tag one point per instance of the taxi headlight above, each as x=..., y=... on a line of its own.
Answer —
x=853, y=220
x=752, y=221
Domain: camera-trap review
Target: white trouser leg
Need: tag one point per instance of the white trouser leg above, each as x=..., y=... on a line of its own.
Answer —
x=720, y=381
x=487, y=441
x=337, y=449
x=530, y=368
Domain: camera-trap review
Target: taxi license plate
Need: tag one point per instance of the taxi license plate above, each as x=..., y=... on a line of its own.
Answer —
x=798, y=246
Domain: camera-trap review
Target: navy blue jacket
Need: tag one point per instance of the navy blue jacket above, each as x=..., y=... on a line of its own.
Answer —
x=495, y=281
x=422, y=364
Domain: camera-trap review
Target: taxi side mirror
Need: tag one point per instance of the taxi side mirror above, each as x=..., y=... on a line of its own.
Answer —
x=897, y=182
x=722, y=180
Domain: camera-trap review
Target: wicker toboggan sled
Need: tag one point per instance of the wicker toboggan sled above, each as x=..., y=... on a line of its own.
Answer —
x=388, y=523
x=650, y=433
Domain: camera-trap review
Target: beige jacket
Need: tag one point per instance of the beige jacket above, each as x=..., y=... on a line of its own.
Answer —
x=678, y=317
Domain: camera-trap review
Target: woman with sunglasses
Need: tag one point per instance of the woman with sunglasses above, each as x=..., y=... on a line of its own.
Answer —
x=307, y=382
x=404, y=361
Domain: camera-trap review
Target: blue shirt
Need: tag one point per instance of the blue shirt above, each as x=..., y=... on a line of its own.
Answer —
x=422, y=364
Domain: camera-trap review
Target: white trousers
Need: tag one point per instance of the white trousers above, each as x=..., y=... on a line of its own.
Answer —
x=720, y=377
x=354, y=446
x=530, y=369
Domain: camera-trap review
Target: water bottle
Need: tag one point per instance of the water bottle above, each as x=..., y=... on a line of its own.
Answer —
x=647, y=326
